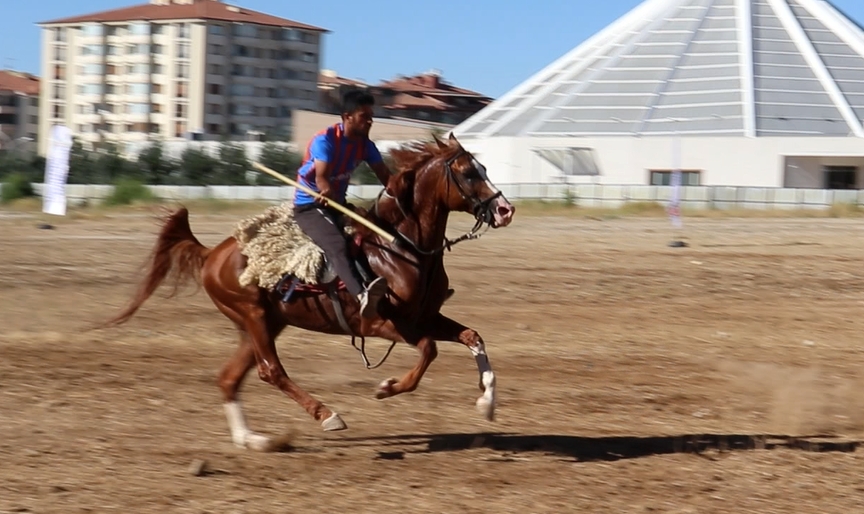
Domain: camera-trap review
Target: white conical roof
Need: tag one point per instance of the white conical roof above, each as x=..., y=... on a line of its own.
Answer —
x=701, y=67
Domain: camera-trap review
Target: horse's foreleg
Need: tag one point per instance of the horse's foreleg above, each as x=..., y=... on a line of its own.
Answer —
x=230, y=379
x=409, y=382
x=445, y=329
x=270, y=370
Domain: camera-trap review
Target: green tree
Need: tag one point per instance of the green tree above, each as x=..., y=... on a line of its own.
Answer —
x=157, y=168
x=278, y=158
x=81, y=165
x=197, y=168
x=233, y=164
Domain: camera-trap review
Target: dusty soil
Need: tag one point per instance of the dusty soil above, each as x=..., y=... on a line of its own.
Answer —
x=633, y=378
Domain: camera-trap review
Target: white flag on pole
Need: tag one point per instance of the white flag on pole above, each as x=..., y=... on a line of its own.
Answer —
x=674, y=208
x=56, y=171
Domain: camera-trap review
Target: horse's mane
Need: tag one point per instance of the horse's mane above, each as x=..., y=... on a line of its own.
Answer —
x=413, y=156
x=410, y=158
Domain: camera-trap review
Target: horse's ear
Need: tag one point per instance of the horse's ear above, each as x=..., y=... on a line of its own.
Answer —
x=441, y=144
x=453, y=138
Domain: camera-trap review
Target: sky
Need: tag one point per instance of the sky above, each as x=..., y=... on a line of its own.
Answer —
x=489, y=46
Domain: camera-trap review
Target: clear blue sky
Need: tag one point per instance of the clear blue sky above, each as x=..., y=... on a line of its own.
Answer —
x=486, y=45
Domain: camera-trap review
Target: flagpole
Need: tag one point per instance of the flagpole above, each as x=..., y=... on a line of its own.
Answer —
x=674, y=208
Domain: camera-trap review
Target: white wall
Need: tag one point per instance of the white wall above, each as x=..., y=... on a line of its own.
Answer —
x=724, y=161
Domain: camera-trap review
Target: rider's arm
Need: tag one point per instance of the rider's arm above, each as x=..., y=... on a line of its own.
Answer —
x=321, y=152
x=376, y=162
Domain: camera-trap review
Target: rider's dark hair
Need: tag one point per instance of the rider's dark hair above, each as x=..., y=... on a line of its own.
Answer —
x=354, y=99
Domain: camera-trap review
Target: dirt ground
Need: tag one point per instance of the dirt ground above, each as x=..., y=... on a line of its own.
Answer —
x=633, y=377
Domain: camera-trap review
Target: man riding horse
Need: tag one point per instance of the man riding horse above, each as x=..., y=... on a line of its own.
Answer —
x=329, y=161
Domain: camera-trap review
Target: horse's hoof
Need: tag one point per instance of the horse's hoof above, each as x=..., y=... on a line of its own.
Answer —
x=257, y=442
x=333, y=423
x=486, y=408
x=385, y=389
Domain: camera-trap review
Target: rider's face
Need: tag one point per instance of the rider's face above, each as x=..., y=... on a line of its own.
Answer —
x=359, y=122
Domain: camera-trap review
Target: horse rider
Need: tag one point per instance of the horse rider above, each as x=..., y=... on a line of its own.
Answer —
x=328, y=163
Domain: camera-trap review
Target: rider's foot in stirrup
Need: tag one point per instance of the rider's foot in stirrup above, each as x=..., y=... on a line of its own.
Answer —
x=371, y=296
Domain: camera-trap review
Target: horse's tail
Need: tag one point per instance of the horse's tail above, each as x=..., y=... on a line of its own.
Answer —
x=177, y=250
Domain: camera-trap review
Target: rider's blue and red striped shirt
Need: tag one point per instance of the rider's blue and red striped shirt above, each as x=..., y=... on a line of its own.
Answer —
x=331, y=145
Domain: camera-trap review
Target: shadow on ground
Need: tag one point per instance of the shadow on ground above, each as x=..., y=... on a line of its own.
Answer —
x=584, y=449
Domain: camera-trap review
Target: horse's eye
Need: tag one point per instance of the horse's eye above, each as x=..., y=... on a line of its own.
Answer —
x=472, y=174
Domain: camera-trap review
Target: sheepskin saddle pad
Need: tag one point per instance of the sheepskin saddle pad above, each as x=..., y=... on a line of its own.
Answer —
x=276, y=247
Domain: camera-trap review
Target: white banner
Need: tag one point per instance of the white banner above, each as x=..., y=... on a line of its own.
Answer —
x=56, y=171
x=674, y=208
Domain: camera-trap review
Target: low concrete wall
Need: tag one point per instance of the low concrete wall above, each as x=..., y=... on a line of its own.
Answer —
x=585, y=195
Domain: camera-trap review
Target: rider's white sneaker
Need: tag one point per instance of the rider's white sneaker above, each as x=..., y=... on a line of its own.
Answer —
x=371, y=296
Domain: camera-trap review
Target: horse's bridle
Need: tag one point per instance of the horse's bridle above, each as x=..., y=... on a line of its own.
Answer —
x=482, y=209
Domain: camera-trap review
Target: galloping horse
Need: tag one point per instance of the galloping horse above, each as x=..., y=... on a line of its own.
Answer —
x=432, y=180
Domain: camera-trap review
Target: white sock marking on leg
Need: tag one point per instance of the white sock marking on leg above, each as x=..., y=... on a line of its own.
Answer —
x=240, y=433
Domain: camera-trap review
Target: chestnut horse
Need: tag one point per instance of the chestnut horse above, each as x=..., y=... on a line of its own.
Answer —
x=432, y=180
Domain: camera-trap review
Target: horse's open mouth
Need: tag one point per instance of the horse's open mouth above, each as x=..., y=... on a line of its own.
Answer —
x=502, y=213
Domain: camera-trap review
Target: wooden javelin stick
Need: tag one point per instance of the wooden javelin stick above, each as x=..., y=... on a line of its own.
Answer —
x=348, y=212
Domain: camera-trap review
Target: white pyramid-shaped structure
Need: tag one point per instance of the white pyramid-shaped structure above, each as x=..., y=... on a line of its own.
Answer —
x=750, y=68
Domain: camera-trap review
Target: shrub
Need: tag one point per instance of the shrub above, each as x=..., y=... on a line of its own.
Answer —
x=16, y=186
x=127, y=191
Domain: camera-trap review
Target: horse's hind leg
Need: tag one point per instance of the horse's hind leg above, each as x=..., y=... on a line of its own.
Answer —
x=271, y=371
x=230, y=379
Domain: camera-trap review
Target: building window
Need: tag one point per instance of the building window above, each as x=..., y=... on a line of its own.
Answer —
x=139, y=29
x=664, y=177
x=58, y=111
x=183, y=51
x=183, y=71
x=60, y=53
x=180, y=110
x=59, y=72
x=841, y=177
x=182, y=90
x=60, y=35
x=243, y=30
x=91, y=29
x=214, y=89
x=216, y=30
x=183, y=30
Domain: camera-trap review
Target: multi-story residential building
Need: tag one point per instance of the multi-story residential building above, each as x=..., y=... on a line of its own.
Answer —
x=171, y=69
x=19, y=107
x=426, y=97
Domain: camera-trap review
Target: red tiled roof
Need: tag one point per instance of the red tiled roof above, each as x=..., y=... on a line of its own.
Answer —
x=406, y=101
x=339, y=81
x=19, y=81
x=421, y=84
x=199, y=10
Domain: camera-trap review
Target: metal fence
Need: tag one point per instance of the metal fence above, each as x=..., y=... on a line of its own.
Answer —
x=584, y=195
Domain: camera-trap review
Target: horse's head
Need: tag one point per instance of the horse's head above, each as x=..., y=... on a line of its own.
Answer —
x=468, y=188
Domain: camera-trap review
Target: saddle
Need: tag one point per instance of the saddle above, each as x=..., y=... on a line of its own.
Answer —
x=327, y=280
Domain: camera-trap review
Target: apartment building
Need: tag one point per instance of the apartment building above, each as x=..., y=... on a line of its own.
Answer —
x=19, y=107
x=176, y=69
